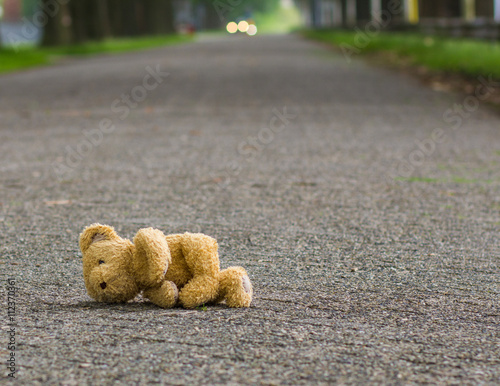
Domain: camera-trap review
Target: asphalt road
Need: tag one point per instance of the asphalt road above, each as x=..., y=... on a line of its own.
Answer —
x=365, y=207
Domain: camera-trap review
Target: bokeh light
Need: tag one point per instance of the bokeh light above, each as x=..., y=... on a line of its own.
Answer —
x=232, y=27
x=252, y=30
x=243, y=26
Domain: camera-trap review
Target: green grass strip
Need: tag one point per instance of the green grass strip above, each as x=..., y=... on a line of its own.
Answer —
x=10, y=60
x=465, y=56
x=30, y=56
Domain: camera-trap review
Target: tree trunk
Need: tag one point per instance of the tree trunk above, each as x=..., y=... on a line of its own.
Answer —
x=115, y=17
x=96, y=19
x=169, y=17
x=54, y=32
x=158, y=17
x=79, y=33
x=130, y=14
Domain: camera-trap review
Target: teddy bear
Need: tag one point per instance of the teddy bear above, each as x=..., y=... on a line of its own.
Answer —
x=168, y=269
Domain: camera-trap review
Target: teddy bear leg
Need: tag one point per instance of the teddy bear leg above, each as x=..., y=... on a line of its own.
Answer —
x=165, y=296
x=235, y=287
x=198, y=291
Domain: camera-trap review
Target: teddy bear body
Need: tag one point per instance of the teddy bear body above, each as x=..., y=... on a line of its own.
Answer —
x=174, y=269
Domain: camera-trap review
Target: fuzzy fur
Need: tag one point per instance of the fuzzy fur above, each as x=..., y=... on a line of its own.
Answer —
x=168, y=270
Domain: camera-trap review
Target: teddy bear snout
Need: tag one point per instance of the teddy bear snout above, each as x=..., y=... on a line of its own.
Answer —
x=103, y=285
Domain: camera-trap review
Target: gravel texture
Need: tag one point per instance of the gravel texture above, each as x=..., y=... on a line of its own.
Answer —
x=372, y=261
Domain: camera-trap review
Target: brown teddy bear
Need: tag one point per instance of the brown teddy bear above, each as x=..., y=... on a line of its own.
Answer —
x=179, y=268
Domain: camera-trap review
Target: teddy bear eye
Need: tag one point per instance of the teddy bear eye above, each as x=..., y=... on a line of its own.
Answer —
x=101, y=261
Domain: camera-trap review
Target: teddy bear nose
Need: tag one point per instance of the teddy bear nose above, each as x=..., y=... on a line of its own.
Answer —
x=103, y=285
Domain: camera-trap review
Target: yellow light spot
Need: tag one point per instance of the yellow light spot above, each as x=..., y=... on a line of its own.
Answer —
x=232, y=27
x=243, y=26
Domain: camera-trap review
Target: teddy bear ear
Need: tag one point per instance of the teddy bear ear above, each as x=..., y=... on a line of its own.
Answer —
x=95, y=233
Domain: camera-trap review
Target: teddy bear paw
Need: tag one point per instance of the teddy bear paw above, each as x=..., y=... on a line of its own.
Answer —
x=165, y=296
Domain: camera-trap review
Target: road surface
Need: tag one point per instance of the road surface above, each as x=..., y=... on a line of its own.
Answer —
x=365, y=207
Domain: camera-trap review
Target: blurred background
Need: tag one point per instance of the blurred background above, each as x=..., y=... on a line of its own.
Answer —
x=61, y=22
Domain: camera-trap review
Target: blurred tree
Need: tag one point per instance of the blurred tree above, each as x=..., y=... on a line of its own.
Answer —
x=158, y=17
x=96, y=19
x=124, y=17
x=77, y=21
x=78, y=28
x=55, y=32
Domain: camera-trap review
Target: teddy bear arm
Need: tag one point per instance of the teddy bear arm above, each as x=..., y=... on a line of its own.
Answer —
x=178, y=270
x=151, y=257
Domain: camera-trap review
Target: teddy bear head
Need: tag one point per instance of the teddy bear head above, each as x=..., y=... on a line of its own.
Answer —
x=107, y=265
x=115, y=270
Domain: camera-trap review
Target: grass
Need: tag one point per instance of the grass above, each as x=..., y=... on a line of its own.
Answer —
x=30, y=56
x=465, y=56
x=26, y=57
